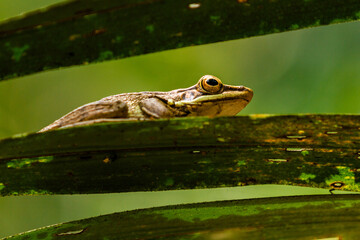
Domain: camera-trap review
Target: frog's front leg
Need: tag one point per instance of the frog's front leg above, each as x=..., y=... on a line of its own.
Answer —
x=157, y=107
x=99, y=111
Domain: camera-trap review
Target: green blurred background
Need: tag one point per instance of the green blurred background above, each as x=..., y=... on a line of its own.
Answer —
x=308, y=71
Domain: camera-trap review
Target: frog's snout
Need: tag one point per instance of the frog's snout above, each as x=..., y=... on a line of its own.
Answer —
x=250, y=93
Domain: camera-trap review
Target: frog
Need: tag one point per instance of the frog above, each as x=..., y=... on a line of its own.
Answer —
x=208, y=97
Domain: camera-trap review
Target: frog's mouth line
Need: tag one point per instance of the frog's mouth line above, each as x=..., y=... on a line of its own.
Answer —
x=223, y=100
x=202, y=100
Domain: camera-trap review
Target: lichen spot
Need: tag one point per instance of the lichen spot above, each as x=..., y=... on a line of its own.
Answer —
x=357, y=14
x=259, y=116
x=105, y=55
x=169, y=182
x=307, y=177
x=304, y=153
x=19, y=52
x=150, y=28
x=28, y=162
x=294, y=27
x=90, y=16
x=74, y=36
x=241, y=163
x=75, y=232
x=178, y=34
x=98, y=31
x=106, y=160
x=277, y=160
x=299, y=137
x=194, y=5
x=216, y=20
x=117, y=39
x=298, y=149
x=331, y=133
x=301, y=132
x=331, y=238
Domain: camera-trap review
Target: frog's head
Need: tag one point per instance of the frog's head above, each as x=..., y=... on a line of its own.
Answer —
x=210, y=97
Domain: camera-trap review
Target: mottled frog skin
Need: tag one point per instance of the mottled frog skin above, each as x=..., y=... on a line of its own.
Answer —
x=209, y=97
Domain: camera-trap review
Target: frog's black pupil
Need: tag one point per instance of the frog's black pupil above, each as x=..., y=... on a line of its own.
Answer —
x=212, y=82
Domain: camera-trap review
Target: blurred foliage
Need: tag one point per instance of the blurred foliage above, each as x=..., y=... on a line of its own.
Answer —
x=308, y=71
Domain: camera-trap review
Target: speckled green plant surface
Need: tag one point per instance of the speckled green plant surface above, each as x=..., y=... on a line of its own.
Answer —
x=83, y=31
x=305, y=217
x=304, y=150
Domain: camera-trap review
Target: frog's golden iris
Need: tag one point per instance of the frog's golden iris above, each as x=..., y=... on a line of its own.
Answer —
x=210, y=84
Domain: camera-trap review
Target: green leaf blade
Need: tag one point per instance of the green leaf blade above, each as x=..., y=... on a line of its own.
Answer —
x=303, y=150
x=82, y=32
x=303, y=217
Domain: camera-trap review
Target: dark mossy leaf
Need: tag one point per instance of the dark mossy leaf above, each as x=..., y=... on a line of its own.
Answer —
x=305, y=217
x=82, y=31
x=304, y=150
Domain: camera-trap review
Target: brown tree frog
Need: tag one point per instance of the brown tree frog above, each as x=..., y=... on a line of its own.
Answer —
x=209, y=97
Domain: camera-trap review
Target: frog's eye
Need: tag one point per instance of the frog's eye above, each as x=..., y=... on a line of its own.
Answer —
x=211, y=84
